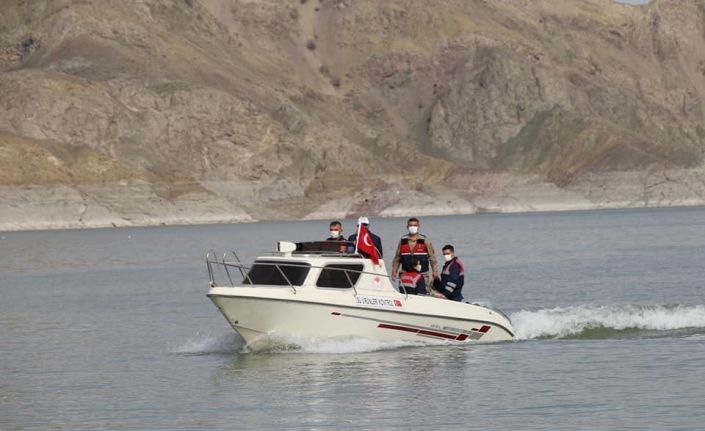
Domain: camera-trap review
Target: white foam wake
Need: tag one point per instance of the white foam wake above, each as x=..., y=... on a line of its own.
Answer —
x=287, y=343
x=568, y=321
x=332, y=345
x=205, y=344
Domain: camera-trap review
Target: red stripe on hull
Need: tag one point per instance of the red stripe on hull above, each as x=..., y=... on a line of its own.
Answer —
x=420, y=331
x=398, y=328
x=438, y=334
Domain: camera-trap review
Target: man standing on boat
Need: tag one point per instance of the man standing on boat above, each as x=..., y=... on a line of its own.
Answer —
x=336, y=231
x=375, y=239
x=416, y=246
x=336, y=234
x=453, y=275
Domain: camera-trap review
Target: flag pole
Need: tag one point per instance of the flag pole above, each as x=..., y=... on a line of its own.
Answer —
x=357, y=238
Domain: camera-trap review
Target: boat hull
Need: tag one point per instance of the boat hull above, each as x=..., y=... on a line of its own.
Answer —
x=255, y=313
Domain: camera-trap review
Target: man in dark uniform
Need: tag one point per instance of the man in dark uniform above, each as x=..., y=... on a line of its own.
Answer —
x=452, y=276
x=336, y=231
x=336, y=234
x=378, y=242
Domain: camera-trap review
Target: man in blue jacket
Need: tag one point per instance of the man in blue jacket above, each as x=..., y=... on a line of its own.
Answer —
x=452, y=276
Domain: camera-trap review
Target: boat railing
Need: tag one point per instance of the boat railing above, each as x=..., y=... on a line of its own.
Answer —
x=222, y=269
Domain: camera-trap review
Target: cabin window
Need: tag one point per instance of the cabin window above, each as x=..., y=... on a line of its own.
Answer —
x=342, y=276
x=277, y=273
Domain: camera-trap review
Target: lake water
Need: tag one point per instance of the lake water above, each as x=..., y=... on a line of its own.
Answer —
x=111, y=329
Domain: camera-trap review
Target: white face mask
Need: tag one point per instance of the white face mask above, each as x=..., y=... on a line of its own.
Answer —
x=413, y=229
x=448, y=257
x=335, y=233
x=418, y=268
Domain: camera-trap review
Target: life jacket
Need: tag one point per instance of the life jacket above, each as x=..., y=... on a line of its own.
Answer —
x=412, y=283
x=407, y=255
x=410, y=279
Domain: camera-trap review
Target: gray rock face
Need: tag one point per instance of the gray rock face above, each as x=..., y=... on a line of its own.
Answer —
x=246, y=110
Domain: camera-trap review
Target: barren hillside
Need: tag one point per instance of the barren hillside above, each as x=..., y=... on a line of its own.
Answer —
x=177, y=111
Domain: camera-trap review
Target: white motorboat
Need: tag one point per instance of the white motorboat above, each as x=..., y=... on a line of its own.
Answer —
x=316, y=290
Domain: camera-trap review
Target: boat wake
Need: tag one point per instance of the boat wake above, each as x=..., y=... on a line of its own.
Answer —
x=611, y=321
x=210, y=344
x=285, y=343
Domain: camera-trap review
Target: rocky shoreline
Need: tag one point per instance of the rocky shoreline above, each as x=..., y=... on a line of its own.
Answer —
x=144, y=204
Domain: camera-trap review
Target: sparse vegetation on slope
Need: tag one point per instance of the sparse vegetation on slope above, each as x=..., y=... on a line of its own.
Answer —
x=307, y=108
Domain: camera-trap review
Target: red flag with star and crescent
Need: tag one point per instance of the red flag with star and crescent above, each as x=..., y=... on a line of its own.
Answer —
x=366, y=245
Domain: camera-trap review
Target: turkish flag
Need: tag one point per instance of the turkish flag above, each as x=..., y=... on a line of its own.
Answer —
x=366, y=245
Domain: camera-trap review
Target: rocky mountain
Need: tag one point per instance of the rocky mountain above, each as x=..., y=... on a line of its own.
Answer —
x=183, y=111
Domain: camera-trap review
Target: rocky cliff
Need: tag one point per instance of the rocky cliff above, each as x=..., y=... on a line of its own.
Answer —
x=178, y=111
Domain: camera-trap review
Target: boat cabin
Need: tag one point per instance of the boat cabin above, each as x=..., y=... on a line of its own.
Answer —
x=319, y=264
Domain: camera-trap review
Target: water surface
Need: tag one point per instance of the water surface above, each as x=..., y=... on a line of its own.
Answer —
x=111, y=329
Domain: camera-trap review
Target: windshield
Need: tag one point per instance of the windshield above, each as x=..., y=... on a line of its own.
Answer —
x=339, y=275
x=277, y=273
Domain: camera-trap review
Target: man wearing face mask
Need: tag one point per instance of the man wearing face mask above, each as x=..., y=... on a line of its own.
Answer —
x=336, y=234
x=453, y=275
x=416, y=246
